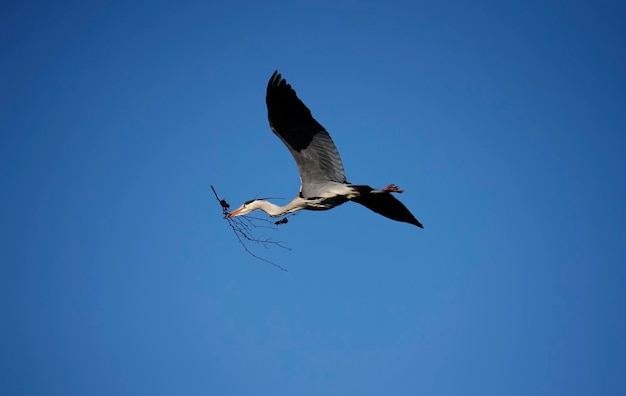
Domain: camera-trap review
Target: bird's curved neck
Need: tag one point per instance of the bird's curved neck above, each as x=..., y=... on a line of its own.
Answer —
x=276, y=210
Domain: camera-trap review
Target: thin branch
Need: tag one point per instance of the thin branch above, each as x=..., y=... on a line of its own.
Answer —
x=242, y=226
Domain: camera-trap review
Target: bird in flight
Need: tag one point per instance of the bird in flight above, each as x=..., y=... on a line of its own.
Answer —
x=323, y=181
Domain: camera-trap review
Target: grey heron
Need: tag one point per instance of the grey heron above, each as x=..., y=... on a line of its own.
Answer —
x=323, y=181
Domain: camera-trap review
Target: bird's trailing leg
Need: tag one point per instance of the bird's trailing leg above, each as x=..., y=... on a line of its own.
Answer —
x=393, y=188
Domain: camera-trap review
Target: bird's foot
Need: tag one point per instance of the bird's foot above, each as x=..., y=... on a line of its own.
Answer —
x=392, y=188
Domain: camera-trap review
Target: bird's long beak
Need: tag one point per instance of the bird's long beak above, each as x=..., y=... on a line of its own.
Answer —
x=233, y=213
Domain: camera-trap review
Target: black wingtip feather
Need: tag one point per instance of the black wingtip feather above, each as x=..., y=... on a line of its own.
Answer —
x=387, y=205
x=287, y=114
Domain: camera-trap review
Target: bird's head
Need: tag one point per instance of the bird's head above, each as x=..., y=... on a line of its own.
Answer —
x=246, y=208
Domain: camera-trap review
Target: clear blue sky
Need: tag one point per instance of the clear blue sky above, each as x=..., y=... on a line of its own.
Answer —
x=504, y=123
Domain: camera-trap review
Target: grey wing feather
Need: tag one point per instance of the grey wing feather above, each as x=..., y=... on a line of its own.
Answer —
x=311, y=146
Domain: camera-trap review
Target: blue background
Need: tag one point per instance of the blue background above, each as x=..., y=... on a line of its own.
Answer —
x=503, y=121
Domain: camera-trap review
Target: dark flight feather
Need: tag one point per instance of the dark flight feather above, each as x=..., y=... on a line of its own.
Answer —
x=311, y=146
x=388, y=206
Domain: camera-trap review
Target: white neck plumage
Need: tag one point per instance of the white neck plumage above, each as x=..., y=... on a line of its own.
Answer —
x=275, y=210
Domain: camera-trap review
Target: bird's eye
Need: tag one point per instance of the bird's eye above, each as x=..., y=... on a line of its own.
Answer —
x=248, y=202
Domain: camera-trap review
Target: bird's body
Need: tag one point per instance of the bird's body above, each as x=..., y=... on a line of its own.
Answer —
x=323, y=181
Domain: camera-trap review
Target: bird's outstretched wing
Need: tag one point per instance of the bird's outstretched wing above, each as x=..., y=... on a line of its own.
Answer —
x=388, y=206
x=311, y=146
